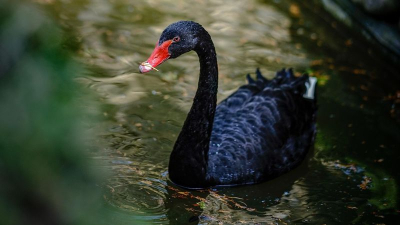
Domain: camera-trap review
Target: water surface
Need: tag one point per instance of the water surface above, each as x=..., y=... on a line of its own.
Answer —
x=350, y=174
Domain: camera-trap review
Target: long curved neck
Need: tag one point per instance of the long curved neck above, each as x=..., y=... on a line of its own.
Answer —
x=188, y=161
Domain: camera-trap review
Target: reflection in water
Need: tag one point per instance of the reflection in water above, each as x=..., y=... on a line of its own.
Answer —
x=142, y=114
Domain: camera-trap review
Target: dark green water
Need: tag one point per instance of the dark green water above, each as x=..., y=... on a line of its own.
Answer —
x=350, y=176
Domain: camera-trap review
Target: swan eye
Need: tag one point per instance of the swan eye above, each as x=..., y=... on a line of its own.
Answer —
x=176, y=39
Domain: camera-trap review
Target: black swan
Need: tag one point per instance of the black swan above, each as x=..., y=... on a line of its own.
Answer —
x=261, y=131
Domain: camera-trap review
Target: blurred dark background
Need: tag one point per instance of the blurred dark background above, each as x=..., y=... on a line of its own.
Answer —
x=46, y=176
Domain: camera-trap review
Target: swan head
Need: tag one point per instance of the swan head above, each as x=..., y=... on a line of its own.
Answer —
x=177, y=39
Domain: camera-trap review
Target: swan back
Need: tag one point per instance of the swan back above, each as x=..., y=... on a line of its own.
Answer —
x=263, y=130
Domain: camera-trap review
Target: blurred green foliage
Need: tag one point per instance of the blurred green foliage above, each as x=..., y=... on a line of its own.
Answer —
x=45, y=175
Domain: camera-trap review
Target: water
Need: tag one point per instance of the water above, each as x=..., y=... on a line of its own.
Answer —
x=350, y=175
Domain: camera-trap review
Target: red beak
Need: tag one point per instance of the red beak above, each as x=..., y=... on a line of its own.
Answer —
x=159, y=55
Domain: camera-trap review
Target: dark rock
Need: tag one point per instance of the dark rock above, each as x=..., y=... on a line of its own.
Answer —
x=380, y=7
x=375, y=29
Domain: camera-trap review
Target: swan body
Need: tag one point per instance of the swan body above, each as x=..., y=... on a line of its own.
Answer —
x=261, y=131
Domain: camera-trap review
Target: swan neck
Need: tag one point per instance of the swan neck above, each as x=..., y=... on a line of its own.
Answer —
x=190, y=153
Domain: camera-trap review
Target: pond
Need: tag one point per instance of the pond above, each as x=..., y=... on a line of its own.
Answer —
x=349, y=176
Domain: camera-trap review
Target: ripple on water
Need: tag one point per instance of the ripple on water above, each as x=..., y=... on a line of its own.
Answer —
x=137, y=191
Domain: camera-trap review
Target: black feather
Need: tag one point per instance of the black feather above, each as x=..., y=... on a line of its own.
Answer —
x=271, y=131
x=249, y=79
x=260, y=77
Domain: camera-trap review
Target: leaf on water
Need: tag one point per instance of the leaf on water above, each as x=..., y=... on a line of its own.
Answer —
x=317, y=62
x=365, y=183
x=294, y=10
x=349, y=42
x=360, y=71
x=202, y=205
